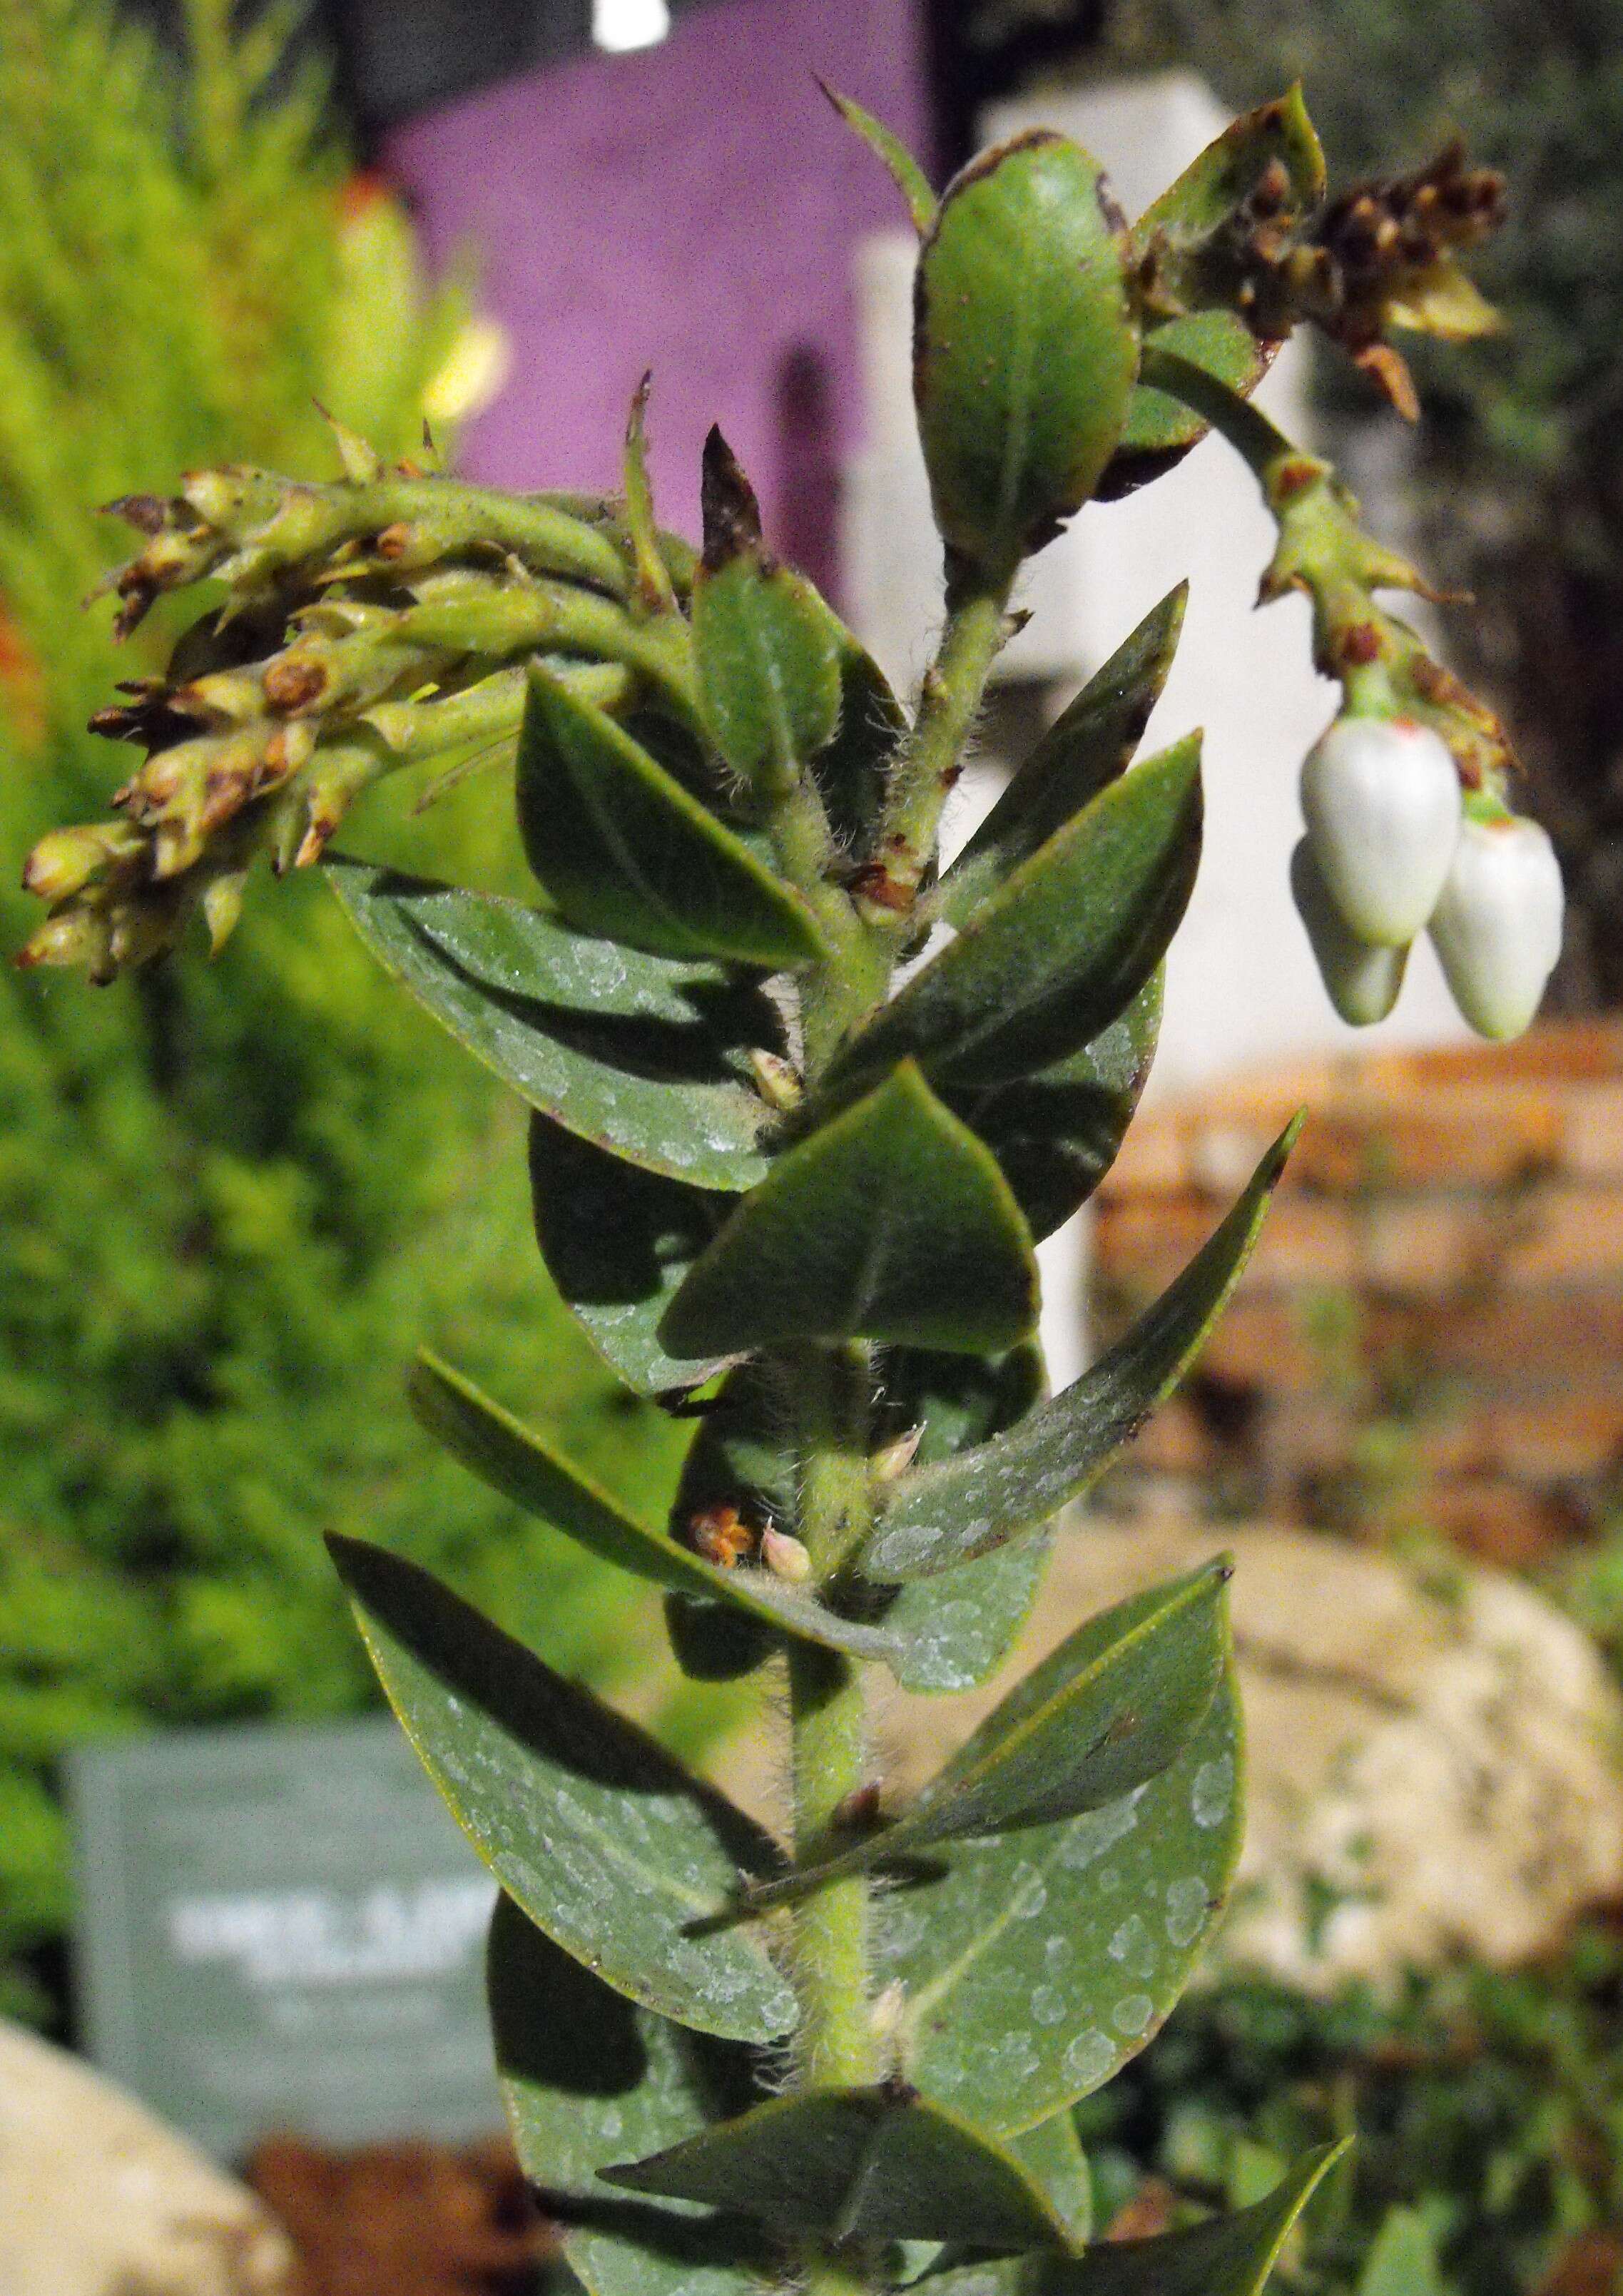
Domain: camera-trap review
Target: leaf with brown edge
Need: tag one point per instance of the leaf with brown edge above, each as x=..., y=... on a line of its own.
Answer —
x=1025, y=347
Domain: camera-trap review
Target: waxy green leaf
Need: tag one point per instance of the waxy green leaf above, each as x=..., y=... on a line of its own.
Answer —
x=940, y=1633
x=1225, y=2255
x=891, y=1222
x=764, y=643
x=857, y=2164
x=1036, y=1964
x=1213, y=188
x=943, y=1516
x=955, y=1631
x=655, y=591
x=604, y=1841
x=1111, y=1708
x=1063, y=946
x=618, y=1240
x=584, y=2074
x=853, y=771
x=905, y=171
x=1024, y=346
x=645, y=1056
x=519, y=1462
x=1053, y=2152
x=625, y=851
x=1057, y=1134
x=1192, y=241
x=1084, y=750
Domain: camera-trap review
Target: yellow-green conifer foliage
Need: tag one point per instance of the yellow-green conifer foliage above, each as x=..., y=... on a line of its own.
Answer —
x=233, y=1198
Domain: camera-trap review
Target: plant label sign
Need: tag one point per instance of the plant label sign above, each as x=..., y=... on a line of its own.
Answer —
x=282, y=1929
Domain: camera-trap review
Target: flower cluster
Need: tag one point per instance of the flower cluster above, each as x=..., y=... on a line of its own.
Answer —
x=1393, y=850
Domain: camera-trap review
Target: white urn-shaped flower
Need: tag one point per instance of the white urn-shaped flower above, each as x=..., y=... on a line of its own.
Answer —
x=1497, y=923
x=1380, y=797
x=1361, y=978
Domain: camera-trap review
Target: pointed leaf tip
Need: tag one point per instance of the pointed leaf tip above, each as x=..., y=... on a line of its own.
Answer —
x=887, y=147
x=891, y=1222
x=1224, y=2256
x=654, y=590
x=730, y=514
x=943, y=1516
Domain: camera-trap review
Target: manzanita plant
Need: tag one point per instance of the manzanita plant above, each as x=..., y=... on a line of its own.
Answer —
x=793, y=1189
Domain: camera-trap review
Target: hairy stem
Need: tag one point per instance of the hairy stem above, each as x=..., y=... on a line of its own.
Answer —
x=929, y=764
x=829, y=1725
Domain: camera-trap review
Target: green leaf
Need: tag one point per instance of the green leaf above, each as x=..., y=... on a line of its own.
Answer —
x=857, y=2164
x=853, y=771
x=645, y=1056
x=1060, y=951
x=891, y=1222
x=941, y=1634
x=1225, y=2255
x=1053, y=2152
x=618, y=1242
x=517, y=1462
x=1024, y=348
x=1036, y=1964
x=955, y=1631
x=1403, y=2259
x=905, y=171
x=764, y=643
x=1057, y=1134
x=1160, y=430
x=1205, y=199
x=625, y=851
x=604, y=1841
x=1086, y=749
x=1192, y=240
x=1111, y=1708
x=655, y=592
x=584, y=2074
x=943, y=1516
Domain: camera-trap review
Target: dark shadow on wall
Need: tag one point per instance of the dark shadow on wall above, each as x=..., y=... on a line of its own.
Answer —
x=807, y=519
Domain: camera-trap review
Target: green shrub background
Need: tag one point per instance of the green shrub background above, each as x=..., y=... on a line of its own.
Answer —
x=232, y=1197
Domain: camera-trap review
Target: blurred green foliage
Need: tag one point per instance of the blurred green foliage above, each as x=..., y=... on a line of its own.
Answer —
x=1520, y=479
x=1489, y=2108
x=233, y=1198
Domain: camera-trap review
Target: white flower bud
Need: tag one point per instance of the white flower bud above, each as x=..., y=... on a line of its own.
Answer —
x=1497, y=925
x=1381, y=801
x=1361, y=981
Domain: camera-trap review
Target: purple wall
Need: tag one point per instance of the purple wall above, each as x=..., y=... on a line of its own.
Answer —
x=691, y=207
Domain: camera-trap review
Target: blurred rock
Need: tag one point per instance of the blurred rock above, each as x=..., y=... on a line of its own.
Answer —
x=98, y=2199
x=1436, y=1760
